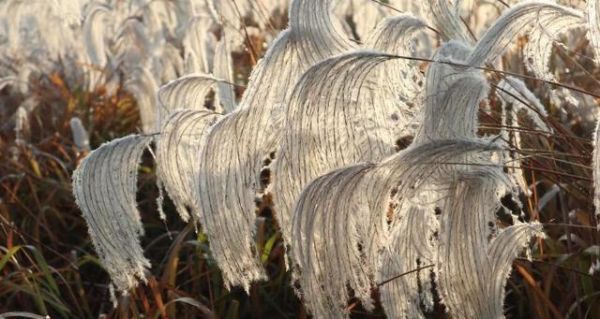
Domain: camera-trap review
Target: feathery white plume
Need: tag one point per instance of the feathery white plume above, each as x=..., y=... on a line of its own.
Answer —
x=512, y=22
x=187, y=92
x=80, y=135
x=466, y=248
x=104, y=186
x=143, y=86
x=345, y=110
x=230, y=172
x=176, y=157
x=223, y=70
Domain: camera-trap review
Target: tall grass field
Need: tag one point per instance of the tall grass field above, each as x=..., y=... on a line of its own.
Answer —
x=300, y=159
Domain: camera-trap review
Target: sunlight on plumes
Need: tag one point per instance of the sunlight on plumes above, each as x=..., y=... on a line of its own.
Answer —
x=105, y=185
x=323, y=116
x=310, y=37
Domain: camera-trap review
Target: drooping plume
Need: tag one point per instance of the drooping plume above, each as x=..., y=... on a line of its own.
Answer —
x=104, y=186
x=365, y=113
x=466, y=248
x=187, y=92
x=230, y=172
x=341, y=224
x=411, y=185
x=513, y=22
x=177, y=149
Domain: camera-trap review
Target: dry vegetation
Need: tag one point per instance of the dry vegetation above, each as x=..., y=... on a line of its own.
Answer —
x=49, y=265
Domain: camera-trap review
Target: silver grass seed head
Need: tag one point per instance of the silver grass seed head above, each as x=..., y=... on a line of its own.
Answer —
x=80, y=135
